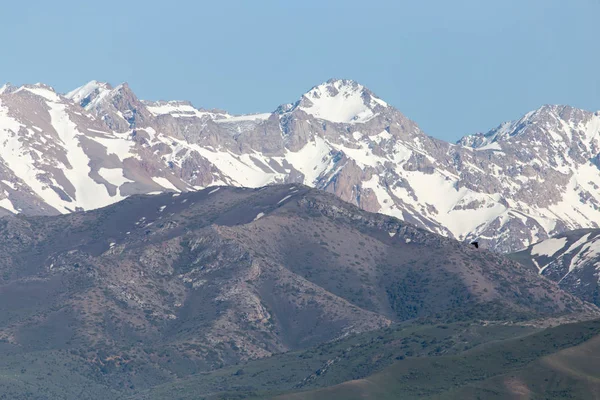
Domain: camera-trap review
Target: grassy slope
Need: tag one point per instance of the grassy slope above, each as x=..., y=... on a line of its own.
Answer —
x=533, y=366
x=50, y=375
x=333, y=363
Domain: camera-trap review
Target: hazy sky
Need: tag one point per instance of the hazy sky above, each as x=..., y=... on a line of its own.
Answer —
x=455, y=67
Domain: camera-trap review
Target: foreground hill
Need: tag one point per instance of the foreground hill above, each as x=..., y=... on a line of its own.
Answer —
x=515, y=185
x=159, y=287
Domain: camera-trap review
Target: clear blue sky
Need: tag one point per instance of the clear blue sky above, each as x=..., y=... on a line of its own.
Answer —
x=455, y=67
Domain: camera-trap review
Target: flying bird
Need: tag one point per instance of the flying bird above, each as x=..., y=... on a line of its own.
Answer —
x=476, y=244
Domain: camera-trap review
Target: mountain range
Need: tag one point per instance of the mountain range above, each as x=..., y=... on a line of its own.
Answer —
x=513, y=186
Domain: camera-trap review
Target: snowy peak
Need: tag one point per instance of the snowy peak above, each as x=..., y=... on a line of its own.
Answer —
x=341, y=101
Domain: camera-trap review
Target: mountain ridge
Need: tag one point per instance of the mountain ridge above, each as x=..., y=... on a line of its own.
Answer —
x=501, y=192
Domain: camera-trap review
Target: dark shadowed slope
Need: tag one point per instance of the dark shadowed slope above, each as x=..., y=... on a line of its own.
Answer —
x=157, y=287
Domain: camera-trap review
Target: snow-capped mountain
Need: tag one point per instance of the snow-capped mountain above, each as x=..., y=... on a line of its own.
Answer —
x=508, y=188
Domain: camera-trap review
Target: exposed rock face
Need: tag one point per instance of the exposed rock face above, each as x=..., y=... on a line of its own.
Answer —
x=510, y=187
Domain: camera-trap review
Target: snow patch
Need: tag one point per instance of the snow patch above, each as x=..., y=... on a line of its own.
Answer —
x=7, y=204
x=114, y=145
x=549, y=247
x=259, y=216
x=284, y=199
x=312, y=160
x=164, y=182
x=9, y=184
x=114, y=176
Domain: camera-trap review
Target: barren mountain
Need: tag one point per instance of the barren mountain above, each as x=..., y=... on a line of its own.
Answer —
x=158, y=286
x=508, y=188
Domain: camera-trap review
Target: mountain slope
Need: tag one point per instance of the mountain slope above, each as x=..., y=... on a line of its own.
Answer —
x=349, y=358
x=571, y=259
x=156, y=287
x=511, y=187
x=58, y=159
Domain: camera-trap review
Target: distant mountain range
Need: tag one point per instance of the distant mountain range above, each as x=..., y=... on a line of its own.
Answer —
x=509, y=188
